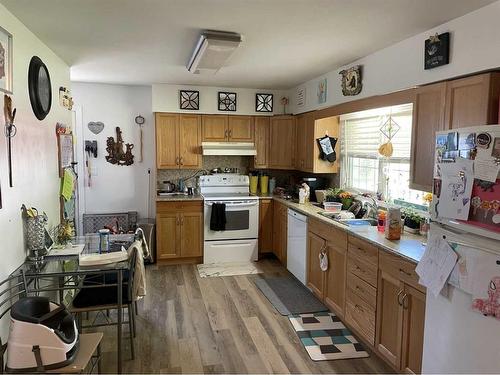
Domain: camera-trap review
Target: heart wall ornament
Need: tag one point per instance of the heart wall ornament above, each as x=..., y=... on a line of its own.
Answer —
x=95, y=127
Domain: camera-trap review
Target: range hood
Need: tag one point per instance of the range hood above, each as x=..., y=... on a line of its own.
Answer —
x=228, y=148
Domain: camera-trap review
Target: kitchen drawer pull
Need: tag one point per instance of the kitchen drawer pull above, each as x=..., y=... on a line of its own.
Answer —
x=404, y=272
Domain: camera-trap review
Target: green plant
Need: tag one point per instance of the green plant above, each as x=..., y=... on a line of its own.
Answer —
x=412, y=218
x=333, y=194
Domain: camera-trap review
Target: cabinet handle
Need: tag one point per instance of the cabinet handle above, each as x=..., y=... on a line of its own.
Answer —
x=230, y=133
x=405, y=301
x=182, y=220
x=226, y=134
x=180, y=161
x=177, y=220
x=400, y=302
x=177, y=160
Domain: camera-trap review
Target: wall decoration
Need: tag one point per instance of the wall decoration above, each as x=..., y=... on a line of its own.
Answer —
x=5, y=61
x=39, y=88
x=437, y=51
x=263, y=102
x=351, y=81
x=227, y=101
x=139, y=120
x=10, y=130
x=284, y=102
x=322, y=86
x=300, y=97
x=65, y=98
x=95, y=127
x=116, y=154
x=65, y=152
x=189, y=100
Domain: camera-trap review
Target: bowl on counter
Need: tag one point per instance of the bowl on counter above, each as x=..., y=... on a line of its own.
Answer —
x=332, y=206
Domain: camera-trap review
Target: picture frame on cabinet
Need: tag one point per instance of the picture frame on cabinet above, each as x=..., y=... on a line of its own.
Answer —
x=263, y=102
x=227, y=101
x=189, y=100
x=6, y=61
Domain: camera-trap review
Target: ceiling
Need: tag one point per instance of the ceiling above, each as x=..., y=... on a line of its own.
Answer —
x=286, y=42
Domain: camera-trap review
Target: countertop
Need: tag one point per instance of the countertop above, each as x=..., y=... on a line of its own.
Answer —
x=177, y=198
x=409, y=246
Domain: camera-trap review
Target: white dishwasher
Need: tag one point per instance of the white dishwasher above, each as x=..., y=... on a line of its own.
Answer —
x=296, y=256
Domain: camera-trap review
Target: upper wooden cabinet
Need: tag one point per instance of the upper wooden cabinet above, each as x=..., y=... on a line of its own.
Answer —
x=472, y=101
x=308, y=130
x=282, y=143
x=262, y=130
x=223, y=128
x=178, y=139
x=428, y=118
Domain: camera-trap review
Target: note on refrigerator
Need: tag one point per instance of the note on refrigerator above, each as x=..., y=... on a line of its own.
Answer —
x=457, y=180
x=486, y=170
x=436, y=264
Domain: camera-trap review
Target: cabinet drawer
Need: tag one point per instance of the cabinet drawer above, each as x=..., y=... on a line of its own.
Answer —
x=365, y=271
x=401, y=269
x=195, y=206
x=361, y=316
x=329, y=233
x=364, y=250
x=362, y=289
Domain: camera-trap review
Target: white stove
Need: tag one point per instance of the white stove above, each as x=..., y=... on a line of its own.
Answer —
x=238, y=241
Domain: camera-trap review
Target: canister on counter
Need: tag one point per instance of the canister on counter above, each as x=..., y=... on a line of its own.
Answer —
x=393, y=224
x=264, y=181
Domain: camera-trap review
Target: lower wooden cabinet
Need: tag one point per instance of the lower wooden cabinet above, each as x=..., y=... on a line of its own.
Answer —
x=280, y=228
x=400, y=314
x=315, y=277
x=179, y=230
x=265, y=226
x=336, y=277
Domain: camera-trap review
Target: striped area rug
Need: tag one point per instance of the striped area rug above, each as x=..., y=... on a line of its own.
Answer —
x=325, y=337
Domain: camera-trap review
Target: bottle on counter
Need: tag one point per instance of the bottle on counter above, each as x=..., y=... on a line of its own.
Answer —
x=393, y=224
x=381, y=221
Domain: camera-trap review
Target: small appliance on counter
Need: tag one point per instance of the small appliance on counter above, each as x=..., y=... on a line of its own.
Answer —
x=314, y=183
x=43, y=335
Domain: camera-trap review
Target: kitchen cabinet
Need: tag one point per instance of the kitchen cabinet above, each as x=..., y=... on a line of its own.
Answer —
x=282, y=143
x=472, y=101
x=179, y=232
x=329, y=285
x=262, y=131
x=178, y=139
x=223, y=128
x=428, y=118
x=265, y=226
x=400, y=314
x=280, y=227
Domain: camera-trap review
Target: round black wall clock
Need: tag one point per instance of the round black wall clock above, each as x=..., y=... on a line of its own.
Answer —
x=39, y=88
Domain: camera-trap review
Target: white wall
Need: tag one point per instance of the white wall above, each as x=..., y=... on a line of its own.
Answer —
x=34, y=148
x=117, y=188
x=166, y=99
x=475, y=46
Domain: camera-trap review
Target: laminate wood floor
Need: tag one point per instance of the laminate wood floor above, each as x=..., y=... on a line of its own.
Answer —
x=188, y=324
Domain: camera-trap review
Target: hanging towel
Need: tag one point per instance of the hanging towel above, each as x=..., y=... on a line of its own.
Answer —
x=139, y=287
x=218, y=217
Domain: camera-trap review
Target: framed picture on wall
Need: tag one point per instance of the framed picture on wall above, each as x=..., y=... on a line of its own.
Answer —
x=5, y=61
x=189, y=99
x=227, y=101
x=263, y=102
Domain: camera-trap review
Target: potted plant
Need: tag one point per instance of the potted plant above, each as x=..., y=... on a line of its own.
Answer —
x=412, y=221
x=332, y=195
x=346, y=198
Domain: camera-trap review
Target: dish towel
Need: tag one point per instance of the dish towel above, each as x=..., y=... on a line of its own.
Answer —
x=139, y=287
x=218, y=217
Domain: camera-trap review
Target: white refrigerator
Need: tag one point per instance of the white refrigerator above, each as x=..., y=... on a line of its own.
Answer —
x=462, y=324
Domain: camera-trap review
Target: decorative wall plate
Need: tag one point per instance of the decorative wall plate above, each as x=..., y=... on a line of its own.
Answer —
x=39, y=88
x=227, y=101
x=189, y=100
x=351, y=81
x=95, y=127
x=263, y=102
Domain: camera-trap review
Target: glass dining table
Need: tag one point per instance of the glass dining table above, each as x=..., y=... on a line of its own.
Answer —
x=63, y=275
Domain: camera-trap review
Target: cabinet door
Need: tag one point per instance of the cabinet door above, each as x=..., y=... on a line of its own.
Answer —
x=310, y=145
x=428, y=118
x=191, y=234
x=282, y=143
x=261, y=124
x=265, y=226
x=190, y=142
x=315, y=277
x=336, y=278
x=277, y=230
x=241, y=128
x=214, y=128
x=167, y=234
x=468, y=102
x=283, y=213
x=301, y=141
x=413, y=330
x=167, y=140
x=389, y=318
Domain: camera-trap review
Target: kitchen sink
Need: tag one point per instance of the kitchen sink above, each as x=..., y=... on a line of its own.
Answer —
x=357, y=222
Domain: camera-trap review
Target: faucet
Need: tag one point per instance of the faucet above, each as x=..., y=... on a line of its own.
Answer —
x=373, y=207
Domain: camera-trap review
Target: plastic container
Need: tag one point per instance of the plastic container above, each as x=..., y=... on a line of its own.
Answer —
x=393, y=224
x=272, y=185
x=264, y=181
x=332, y=206
x=104, y=240
x=254, y=181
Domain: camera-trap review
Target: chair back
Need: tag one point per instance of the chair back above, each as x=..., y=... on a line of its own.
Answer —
x=11, y=290
x=131, y=277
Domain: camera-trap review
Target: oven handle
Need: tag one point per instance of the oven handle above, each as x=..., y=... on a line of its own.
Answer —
x=239, y=204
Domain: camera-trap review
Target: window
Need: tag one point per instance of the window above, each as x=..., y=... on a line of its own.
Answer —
x=363, y=168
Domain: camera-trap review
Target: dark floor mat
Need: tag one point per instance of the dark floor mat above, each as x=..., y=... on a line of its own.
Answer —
x=289, y=296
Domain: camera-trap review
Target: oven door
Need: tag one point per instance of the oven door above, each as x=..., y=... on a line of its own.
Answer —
x=242, y=220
